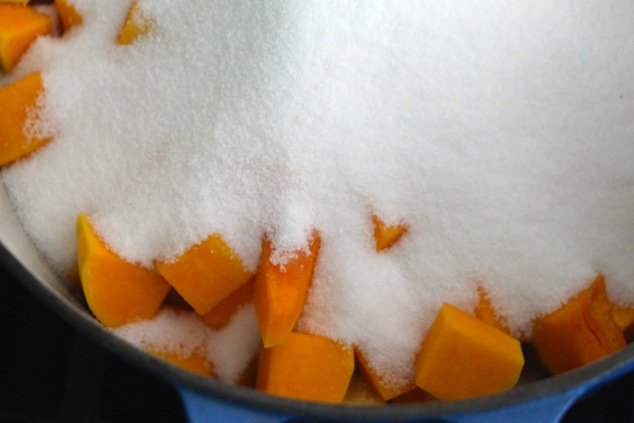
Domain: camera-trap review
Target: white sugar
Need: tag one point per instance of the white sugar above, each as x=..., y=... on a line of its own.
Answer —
x=234, y=346
x=500, y=133
x=171, y=331
x=183, y=333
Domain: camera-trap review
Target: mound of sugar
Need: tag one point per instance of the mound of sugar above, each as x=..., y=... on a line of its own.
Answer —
x=500, y=134
x=229, y=349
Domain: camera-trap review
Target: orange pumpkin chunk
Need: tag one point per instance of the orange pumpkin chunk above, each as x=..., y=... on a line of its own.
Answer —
x=117, y=291
x=136, y=25
x=219, y=316
x=385, y=236
x=17, y=100
x=206, y=273
x=19, y=27
x=484, y=311
x=579, y=332
x=386, y=388
x=68, y=14
x=280, y=291
x=462, y=357
x=196, y=361
x=306, y=367
x=361, y=392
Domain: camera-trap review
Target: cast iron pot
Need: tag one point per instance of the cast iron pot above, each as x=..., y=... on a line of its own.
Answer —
x=208, y=400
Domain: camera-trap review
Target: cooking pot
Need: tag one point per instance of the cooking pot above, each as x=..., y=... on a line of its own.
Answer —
x=209, y=400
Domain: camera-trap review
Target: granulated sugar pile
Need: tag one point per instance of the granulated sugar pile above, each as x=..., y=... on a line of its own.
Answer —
x=500, y=133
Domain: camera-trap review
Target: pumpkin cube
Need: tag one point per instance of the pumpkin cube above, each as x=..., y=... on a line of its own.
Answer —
x=306, y=367
x=385, y=236
x=68, y=14
x=579, y=332
x=280, y=291
x=206, y=273
x=136, y=25
x=17, y=101
x=19, y=27
x=219, y=316
x=117, y=291
x=462, y=357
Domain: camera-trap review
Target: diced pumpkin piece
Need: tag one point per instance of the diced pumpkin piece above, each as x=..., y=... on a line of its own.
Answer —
x=306, y=367
x=117, y=291
x=385, y=236
x=361, y=392
x=17, y=100
x=579, y=332
x=484, y=311
x=19, y=27
x=196, y=361
x=68, y=14
x=462, y=357
x=280, y=291
x=206, y=273
x=22, y=2
x=219, y=316
x=136, y=25
x=386, y=388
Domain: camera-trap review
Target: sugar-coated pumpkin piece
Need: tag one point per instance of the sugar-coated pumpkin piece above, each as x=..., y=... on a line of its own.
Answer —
x=19, y=27
x=69, y=16
x=306, y=367
x=386, y=388
x=484, y=311
x=280, y=291
x=462, y=357
x=386, y=235
x=219, y=316
x=117, y=291
x=17, y=101
x=195, y=361
x=136, y=25
x=579, y=332
x=206, y=273
x=361, y=392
